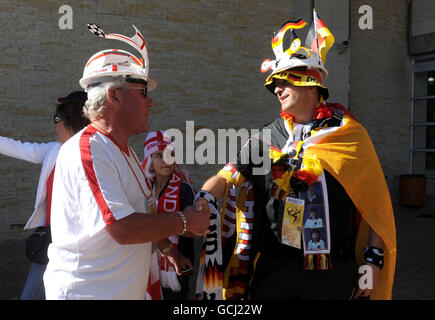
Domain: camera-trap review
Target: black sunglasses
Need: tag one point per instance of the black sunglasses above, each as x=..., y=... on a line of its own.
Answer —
x=145, y=91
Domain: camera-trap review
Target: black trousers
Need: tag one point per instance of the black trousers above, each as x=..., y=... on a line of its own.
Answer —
x=277, y=278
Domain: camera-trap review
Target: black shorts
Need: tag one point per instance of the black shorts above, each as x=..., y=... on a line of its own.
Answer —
x=276, y=278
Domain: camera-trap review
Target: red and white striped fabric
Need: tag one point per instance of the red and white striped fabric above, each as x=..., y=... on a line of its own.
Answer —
x=155, y=141
x=154, y=289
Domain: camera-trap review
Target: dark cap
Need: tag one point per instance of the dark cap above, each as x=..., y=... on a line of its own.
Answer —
x=77, y=96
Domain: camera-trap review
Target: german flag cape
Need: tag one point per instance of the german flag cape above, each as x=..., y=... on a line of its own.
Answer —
x=348, y=154
x=345, y=152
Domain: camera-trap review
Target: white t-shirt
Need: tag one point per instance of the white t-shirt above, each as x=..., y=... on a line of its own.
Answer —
x=316, y=245
x=96, y=183
x=314, y=223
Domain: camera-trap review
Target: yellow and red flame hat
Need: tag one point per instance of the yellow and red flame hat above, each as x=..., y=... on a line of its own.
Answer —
x=300, y=65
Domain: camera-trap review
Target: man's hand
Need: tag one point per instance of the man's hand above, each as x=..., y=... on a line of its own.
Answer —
x=177, y=260
x=198, y=219
x=201, y=202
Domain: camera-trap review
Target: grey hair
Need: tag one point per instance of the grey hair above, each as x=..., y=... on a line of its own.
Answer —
x=97, y=96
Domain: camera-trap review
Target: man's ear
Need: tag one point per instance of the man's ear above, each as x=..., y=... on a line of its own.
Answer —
x=314, y=91
x=113, y=95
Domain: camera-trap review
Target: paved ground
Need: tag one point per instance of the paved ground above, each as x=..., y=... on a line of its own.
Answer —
x=415, y=271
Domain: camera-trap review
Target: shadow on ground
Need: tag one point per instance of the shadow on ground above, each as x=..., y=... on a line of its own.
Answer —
x=415, y=276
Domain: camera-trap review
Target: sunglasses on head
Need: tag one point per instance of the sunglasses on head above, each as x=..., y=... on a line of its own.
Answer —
x=56, y=119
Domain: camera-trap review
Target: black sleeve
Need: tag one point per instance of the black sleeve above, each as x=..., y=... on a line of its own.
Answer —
x=187, y=195
x=342, y=212
x=250, y=157
x=185, y=244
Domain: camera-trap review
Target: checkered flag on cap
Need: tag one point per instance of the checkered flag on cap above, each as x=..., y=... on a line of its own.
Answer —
x=137, y=41
x=96, y=30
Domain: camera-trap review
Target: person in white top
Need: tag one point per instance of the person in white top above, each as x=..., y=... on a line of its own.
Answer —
x=313, y=221
x=102, y=226
x=68, y=120
x=316, y=243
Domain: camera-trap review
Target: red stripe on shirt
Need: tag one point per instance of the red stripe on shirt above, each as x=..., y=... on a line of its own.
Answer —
x=49, y=188
x=86, y=156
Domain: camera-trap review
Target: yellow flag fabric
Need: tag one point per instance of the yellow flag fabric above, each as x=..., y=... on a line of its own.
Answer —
x=326, y=42
x=319, y=38
x=348, y=154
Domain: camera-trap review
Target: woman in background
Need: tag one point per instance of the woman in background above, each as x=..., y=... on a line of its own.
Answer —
x=68, y=120
x=172, y=192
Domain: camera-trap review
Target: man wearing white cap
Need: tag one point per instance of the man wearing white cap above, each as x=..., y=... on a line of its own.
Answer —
x=101, y=231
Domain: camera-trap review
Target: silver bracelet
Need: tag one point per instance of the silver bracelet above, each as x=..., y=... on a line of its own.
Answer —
x=183, y=218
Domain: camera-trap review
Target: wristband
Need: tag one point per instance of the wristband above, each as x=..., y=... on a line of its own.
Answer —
x=166, y=249
x=183, y=218
x=207, y=196
x=374, y=256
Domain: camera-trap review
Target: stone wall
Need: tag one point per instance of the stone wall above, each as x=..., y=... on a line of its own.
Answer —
x=380, y=84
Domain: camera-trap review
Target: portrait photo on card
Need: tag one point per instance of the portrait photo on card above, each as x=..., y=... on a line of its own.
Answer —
x=314, y=217
x=315, y=240
x=314, y=195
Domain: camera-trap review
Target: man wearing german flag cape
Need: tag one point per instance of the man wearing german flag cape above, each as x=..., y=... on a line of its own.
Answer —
x=314, y=219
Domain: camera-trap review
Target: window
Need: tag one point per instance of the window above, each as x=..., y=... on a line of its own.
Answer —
x=423, y=117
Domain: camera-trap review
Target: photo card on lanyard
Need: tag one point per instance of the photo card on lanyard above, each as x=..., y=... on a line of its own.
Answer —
x=315, y=224
x=292, y=222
